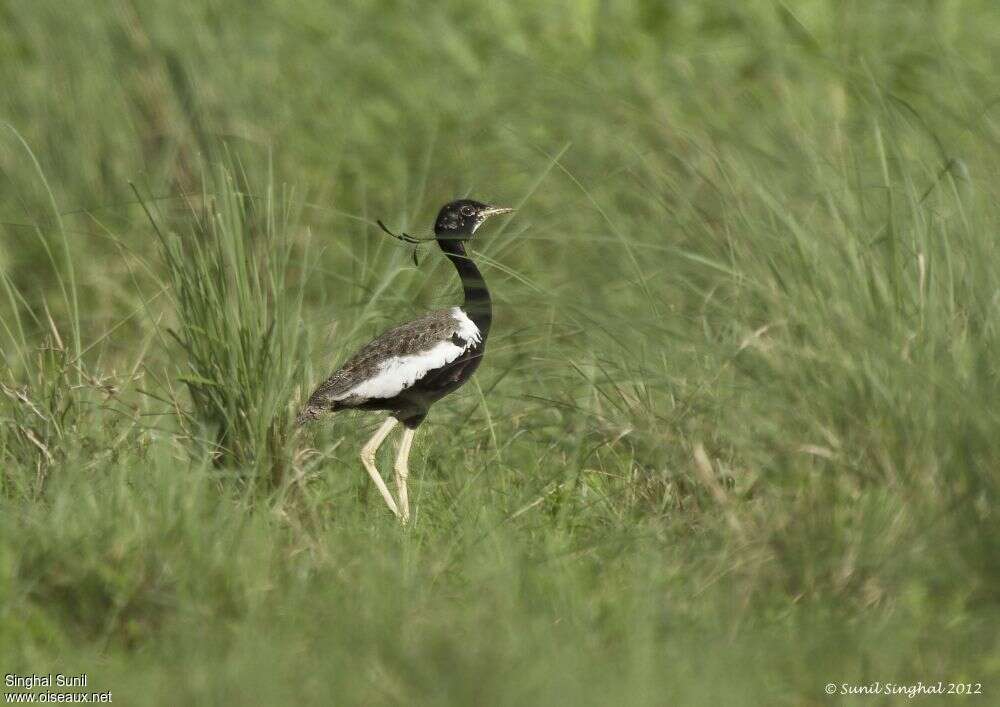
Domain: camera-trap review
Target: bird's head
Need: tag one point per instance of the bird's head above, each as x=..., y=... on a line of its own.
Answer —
x=458, y=220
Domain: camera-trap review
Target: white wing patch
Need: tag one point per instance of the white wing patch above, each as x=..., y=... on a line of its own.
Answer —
x=398, y=373
x=466, y=329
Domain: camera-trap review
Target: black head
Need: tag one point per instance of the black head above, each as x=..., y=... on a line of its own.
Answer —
x=460, y=219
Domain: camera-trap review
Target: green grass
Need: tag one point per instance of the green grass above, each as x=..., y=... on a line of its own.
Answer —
x=736, y=436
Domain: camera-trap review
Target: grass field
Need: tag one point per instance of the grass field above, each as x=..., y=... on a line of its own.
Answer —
x=737, y=433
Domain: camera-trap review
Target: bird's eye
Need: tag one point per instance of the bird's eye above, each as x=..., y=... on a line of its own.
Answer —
x=468, y=211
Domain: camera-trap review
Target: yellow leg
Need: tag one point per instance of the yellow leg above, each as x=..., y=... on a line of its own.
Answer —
x=368, y=459
x=403, y=471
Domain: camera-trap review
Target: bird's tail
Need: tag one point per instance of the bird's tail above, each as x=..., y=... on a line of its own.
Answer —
x=309, y=413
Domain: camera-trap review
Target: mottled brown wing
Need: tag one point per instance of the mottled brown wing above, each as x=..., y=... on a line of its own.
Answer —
x=410, y=338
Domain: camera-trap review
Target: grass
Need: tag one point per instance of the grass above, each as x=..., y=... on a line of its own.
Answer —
x=736, y=434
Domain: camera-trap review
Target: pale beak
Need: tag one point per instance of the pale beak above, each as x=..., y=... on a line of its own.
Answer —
x=495, y=211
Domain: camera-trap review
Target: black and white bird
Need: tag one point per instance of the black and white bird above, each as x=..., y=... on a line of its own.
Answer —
x=412, y=366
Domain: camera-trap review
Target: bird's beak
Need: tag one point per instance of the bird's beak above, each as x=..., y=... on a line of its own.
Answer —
x=496, y=211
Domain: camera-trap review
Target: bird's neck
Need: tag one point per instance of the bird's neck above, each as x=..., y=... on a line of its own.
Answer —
x=478, y=305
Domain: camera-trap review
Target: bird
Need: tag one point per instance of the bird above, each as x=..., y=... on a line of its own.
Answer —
x=407, y=369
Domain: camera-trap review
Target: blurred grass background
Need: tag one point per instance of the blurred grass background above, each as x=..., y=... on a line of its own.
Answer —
x=736, y=435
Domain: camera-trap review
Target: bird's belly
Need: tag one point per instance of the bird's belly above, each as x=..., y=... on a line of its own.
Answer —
x=439, y=383
x=412, y=404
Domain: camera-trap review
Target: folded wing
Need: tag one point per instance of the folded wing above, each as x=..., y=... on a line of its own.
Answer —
x=393, y=362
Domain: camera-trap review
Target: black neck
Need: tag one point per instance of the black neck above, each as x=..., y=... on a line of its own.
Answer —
x=478, y=304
